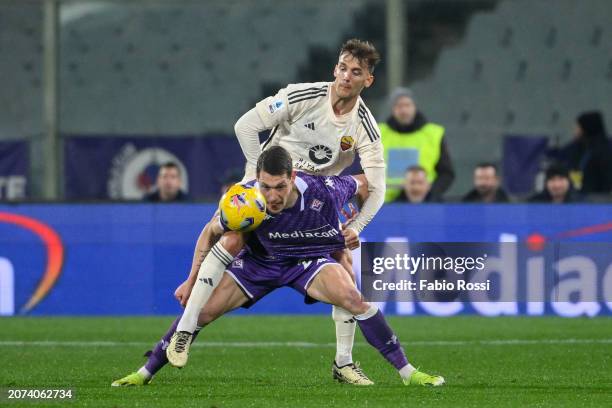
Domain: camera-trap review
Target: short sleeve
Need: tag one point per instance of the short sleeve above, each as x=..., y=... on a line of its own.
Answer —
x=342, y=189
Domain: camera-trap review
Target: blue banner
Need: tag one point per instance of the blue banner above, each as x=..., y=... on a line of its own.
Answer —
x=522, y=160
x=127, y=259
x=14, y=170
x=125, y=168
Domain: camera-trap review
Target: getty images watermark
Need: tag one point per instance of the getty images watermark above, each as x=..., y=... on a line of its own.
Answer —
x=485, y=272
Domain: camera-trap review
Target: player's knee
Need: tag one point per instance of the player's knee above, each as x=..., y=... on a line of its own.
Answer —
x=232, y=242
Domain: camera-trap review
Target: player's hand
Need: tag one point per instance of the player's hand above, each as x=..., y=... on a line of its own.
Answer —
x=351, y=238
x=182, y=292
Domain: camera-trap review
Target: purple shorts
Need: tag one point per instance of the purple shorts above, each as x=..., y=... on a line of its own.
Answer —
x=257, y=276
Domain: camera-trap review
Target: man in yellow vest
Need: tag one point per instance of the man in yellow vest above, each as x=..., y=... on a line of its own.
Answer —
x=409, y=140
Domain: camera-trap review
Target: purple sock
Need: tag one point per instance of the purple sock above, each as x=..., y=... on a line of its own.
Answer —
x=157, y=356
x=378, y=333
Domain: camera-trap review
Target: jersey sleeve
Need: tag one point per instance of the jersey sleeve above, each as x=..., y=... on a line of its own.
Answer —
x=288, y=104
x=369, y=145
x=341, y=189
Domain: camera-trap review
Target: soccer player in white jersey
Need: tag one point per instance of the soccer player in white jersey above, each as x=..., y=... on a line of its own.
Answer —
x=323, y=125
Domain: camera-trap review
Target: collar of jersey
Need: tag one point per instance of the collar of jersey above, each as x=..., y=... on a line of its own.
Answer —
x=301, y=186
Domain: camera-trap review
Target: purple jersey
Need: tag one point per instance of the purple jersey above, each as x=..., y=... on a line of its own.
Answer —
x=311, y=228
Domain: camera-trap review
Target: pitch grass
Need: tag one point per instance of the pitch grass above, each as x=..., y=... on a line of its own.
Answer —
x=548, y=370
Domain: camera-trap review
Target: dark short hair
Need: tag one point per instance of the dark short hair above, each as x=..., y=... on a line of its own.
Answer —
x=363, y=51
x=484, y=165
x=170, y=165
x=275, y=161
x=556, y=169
x=415, y=168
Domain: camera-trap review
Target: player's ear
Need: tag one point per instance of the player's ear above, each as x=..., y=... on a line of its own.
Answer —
x=292, y=176
x=369, y=81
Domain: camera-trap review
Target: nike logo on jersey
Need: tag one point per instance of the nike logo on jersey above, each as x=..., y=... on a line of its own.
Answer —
x=310, y=126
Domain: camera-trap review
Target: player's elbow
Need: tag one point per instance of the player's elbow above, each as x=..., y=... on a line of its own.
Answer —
x=376, y=193
x=239, y=126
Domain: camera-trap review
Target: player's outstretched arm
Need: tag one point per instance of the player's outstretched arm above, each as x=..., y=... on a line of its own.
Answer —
x=373, y=200
x=211, y=233
x=247, y=130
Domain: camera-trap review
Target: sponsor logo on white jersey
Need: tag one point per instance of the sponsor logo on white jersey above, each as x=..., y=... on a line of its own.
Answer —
x=320, y=154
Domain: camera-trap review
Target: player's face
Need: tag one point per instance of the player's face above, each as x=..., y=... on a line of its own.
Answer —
x=351, y=76
x=404, y=110
x=558, y=186
x=485, y=180
x=168, y=181
x=416, y=186
x=276, y=190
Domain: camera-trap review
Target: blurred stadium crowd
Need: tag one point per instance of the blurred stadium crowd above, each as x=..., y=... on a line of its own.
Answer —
x=498, y=101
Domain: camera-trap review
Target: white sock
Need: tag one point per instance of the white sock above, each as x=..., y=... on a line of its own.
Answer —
x=345, y=335
x=210, y=273
x=406, y=371
x=144, y=372
x=372, y=310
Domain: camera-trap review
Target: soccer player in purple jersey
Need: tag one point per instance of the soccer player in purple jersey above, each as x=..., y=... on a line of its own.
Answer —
x=324, y=126
x=294, y=247
x=296, y=242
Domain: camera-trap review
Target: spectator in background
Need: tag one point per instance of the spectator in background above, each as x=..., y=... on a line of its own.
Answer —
x=409, y=139
x=589, y=155
x=558, y=187
x=416, y=188
x=486, y=186
x=168, y=185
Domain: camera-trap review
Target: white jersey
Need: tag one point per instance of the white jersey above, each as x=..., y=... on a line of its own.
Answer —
x=320, y=142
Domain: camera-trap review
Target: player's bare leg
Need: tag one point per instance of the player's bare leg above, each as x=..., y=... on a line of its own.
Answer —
x=209, y=275
x=333, y=285
x=226, y=296
x=345, y=329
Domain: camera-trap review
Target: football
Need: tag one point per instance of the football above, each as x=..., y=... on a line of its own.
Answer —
x=242, y=208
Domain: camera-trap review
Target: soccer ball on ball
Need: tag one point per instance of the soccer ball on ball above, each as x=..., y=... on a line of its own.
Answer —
x=242, y=208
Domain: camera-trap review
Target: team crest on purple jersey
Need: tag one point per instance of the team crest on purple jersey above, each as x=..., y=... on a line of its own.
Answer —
x=316, y=205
